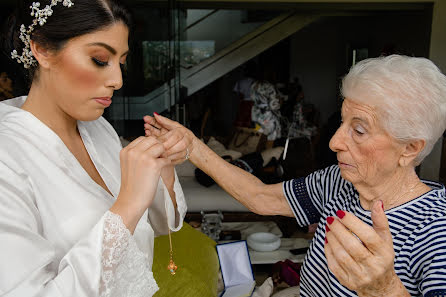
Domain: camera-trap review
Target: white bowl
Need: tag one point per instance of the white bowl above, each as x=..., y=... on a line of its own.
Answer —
x=263, y=241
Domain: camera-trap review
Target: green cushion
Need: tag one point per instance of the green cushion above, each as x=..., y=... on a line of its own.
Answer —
x=197, y=261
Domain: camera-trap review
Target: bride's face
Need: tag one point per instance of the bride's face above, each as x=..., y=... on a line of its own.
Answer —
x=86, y=72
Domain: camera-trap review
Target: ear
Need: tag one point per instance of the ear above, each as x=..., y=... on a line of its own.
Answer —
x=41, y=54
x=411, y=151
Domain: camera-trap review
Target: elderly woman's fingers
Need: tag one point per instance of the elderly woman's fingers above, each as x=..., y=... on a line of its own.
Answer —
x=365, y=233
x=152, y=130
x=346, y=242
x=180, y=158
x=167, y=123
x=380, y=222
x=170, y=139
x=333, y=265
x=151, y=121
x=350, y=243
x=340, y=263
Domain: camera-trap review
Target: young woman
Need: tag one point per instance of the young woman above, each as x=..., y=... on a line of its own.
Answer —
x=78, y=213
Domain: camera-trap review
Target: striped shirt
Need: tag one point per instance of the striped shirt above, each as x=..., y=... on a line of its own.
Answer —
x=418, y=229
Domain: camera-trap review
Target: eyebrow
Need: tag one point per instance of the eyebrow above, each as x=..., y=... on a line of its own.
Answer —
x=106, y=46
x=365, y=121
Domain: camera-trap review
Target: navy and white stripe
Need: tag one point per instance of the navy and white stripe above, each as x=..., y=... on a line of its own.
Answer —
x=418, y=229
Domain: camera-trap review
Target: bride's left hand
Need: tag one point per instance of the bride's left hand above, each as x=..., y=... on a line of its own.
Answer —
x=177, y=140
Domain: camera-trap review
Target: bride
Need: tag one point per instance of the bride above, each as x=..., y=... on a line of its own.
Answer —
x=79, y=213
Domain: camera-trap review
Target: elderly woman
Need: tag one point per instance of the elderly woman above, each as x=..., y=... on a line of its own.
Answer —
x=381, y=229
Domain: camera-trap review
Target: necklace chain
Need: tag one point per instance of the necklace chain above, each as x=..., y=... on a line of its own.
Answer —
x=172, y=267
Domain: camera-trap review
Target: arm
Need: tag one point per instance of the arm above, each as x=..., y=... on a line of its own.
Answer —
x=169, y=206
x=246, y=188
x=243, y=186
x=168, y=176
x=33, y=265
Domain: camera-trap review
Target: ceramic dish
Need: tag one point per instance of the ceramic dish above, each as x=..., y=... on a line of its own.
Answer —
x=263, y=241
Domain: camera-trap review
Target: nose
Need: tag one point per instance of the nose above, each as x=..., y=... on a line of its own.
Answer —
x=337, y=142
x=115, y=79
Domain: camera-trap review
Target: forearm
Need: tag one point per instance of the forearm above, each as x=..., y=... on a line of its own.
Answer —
x=168, y=177
x=243, y=186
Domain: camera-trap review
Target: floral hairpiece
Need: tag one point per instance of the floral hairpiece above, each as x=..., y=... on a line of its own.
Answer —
x=40, y=17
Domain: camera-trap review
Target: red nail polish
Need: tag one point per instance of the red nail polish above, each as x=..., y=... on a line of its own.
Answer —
x=326, y=228
x=326, y=241
x=382, y=204
x=340, y=214
x=330, y=220
x=155, y=113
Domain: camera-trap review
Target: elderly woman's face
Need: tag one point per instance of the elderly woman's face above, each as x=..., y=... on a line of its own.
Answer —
x=366, y=153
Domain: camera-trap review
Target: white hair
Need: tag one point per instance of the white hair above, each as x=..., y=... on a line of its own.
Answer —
x=408, y=93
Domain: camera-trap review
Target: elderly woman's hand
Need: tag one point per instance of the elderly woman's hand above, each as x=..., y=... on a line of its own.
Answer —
x=365, y=267
x=177, y=140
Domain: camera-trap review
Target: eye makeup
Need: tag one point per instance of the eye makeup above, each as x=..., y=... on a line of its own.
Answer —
x=99, y=62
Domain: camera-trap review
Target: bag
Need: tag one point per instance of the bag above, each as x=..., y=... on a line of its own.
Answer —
x=286, y=271
x=247, y=140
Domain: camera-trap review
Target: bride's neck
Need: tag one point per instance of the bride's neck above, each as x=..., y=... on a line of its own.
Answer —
x=42, y=102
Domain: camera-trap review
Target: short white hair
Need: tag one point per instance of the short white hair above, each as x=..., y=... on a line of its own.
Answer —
x=408, y=93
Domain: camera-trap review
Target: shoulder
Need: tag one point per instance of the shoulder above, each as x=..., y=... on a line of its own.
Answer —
x=324, y=182
x=329, y=176
x=429, y=217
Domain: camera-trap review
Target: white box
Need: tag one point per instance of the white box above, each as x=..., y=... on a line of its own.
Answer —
x=236, y=269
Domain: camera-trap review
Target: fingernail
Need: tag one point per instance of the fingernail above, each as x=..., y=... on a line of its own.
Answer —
x=340, y=214
x=382, y=204
x=155, y=113
x=326, y=241
x=326, y=228
x=330, y=220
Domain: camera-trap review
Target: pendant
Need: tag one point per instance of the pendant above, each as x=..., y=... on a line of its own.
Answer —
x=172, y=267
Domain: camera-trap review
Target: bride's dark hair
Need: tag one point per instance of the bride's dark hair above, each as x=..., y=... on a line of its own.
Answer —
x=85, y=16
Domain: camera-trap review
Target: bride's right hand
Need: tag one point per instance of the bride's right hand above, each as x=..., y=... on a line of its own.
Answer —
x=141, y=164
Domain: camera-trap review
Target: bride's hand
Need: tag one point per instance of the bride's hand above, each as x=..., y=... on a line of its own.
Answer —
x=178, y=141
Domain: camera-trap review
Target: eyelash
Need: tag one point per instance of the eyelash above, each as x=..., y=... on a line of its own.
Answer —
x=99, y=63
x=359, y=132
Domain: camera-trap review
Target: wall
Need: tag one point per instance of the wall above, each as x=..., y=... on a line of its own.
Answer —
x=224, y=26
x=319, y=53
x=430, y=168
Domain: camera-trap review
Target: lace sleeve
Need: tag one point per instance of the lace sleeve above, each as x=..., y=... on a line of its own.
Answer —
x=125, y=270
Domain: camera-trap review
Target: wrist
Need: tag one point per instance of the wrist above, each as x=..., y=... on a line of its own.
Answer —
x=130, y=216
x=196, y=150
x=392, y=287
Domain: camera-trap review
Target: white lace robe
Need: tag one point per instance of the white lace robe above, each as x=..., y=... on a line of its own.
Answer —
x=57, y=237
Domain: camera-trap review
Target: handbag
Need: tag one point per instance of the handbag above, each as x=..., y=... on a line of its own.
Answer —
x=247, y=140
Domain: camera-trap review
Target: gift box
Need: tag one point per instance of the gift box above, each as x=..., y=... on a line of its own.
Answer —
x=236, y=269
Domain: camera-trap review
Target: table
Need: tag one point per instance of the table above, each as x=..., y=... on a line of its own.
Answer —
x=280, y=254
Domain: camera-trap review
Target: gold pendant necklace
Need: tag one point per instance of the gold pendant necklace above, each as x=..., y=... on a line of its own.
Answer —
x=171, y=267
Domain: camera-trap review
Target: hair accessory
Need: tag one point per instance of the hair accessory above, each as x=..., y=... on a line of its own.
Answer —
x=40, y=17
